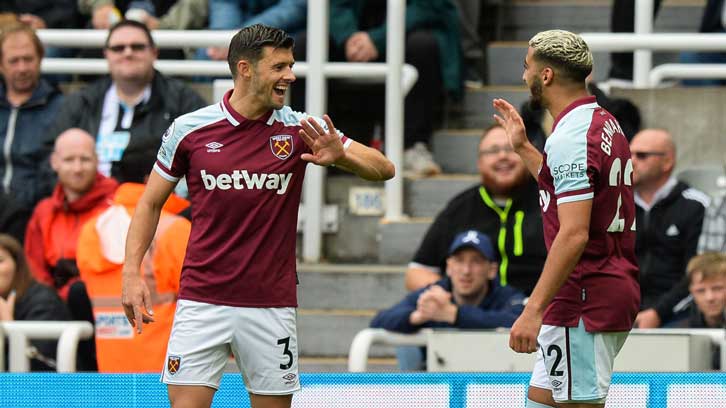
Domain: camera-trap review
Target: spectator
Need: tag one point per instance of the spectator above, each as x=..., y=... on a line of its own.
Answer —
x=22, y=298
x=469, y=297
x=39, y=14
x=81, y=193
x=713, y=21
x=707, y=286
x=157, y=14
x=13, y=217
x=471, y=42
x=358, y=34
x=28, y=105
x=669, y=215
x=504, y=206
x=288, y=15
x=713, y=233
x=52, y=234
x=101, y=247
x=129, y=110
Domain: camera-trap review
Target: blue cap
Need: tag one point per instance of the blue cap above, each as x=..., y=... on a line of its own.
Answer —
x=473, y=239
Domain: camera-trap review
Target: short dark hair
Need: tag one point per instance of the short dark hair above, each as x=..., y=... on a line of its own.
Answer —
x=134, y=24
x=249, y=42
x=488, y=129
x=16, y=28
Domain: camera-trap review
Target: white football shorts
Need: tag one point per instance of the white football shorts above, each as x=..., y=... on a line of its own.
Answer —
x=262, y=340
x=575, y=365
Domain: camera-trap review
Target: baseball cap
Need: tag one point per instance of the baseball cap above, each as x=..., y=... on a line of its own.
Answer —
x=473, y=239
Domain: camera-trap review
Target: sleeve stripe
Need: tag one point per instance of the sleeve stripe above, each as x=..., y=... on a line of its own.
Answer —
x=573, y=198
x=164, y=174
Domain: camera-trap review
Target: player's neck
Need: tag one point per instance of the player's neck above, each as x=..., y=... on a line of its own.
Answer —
x=560, y=98
x=246, y=104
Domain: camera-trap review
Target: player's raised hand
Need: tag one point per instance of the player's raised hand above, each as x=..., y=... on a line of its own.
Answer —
x=512, y=123
x=326, y=146
x=523, y=335
x=135, y=295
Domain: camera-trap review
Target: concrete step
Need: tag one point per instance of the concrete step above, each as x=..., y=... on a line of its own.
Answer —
x=455, y=150
x=425, y=197
x=329, y=333
x=344, y=286
x=476, y=111
x=399, y=240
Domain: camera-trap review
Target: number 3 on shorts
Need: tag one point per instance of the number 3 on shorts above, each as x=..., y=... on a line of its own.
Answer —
x=286, y=352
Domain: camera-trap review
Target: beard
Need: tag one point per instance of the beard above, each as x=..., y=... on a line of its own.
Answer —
x=536, y=101
x=497, y=187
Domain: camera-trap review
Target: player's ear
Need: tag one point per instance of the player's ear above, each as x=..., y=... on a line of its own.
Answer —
x=244, y=68
x=548, y=75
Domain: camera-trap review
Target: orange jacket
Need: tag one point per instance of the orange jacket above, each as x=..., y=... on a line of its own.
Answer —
x=52, y=232
x=100, y=256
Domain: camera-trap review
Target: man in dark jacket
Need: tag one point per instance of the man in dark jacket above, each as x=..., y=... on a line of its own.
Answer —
x=468, y=298
x=128, y=111
x=669, y=216
x=28, y=106
x=504, y=205
x=13, y=217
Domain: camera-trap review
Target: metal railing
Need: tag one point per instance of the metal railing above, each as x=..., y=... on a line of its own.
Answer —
x=364, y=339
x=68, y=334
x=399, y=79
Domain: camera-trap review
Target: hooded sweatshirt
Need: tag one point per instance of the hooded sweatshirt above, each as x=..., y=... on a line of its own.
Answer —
x=52, y=233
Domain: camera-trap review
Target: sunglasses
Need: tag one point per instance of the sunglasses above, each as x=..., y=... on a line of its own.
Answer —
x=496, y=150
x=645, y=155
x=136, y=47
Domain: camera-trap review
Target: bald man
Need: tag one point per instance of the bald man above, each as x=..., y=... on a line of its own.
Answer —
x=669, y=216
x=52, y=233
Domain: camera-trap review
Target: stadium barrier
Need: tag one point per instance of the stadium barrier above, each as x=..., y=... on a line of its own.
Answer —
x=68, y=334
x=368, y=390
x=488, y=350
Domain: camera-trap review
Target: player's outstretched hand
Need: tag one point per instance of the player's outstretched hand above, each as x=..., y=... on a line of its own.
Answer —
x=135, y=296
x=523, y=336
x=326, y=146
x=512, y=123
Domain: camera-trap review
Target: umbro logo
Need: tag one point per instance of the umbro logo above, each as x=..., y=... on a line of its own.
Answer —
x=213, y=147
x=556, y=383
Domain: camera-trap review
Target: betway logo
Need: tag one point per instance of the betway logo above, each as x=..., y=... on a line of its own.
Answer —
x=241, y=179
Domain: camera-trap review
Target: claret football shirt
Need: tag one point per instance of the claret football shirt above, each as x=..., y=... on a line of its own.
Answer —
x=245, y=178
x=587, y=157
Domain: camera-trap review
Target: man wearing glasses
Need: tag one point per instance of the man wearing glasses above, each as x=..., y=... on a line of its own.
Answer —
x=128, y=109
x=504, y=206
x=669, y=216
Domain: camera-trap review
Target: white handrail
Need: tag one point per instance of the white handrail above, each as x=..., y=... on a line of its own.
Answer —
x=87, y=38
x=686, y=71
x=68, y=333
x=364, y=339
x=373, y=70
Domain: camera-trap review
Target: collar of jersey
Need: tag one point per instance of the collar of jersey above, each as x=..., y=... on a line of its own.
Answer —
x=234, y=118
x=576, y=104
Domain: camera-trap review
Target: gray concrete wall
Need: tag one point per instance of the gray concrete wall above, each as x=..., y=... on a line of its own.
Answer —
x=695, y=116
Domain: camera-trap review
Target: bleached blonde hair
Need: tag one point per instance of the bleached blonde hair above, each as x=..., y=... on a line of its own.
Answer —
x=565, y=51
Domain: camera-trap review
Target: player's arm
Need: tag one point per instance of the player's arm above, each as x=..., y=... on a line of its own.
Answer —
x=565, y=252
x=135, y=294
x=327, y=149
x=366, y=162
x=567, y=247
x=513, y=125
